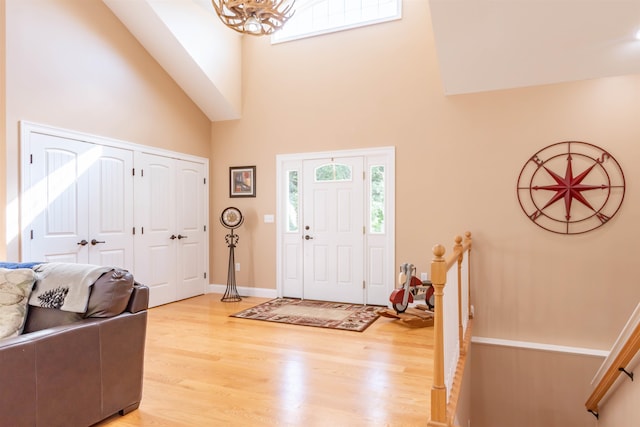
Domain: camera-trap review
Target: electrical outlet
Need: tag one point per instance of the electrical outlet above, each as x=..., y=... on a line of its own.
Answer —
x=237, y=266
x=424, y=276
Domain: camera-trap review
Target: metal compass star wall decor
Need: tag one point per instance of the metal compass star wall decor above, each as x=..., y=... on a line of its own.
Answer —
x=571, y=187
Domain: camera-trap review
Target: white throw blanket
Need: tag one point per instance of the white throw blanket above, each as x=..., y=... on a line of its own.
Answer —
x=65, y=286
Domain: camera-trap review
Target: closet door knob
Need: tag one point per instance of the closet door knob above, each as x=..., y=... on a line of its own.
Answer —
x=83, y=242
x=173, y=237
x=180, y=236
x=95, y=242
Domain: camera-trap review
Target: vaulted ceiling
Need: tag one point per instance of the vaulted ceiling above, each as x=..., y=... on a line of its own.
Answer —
x=188, y=40
x=482, y=45
x=497, y=44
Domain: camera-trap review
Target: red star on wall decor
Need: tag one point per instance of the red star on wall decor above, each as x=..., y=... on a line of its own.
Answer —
x=569, y=188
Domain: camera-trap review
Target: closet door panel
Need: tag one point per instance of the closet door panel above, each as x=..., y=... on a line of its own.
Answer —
x=55, y=202
x=190, y=224
x=111, y=209
x=155, y=249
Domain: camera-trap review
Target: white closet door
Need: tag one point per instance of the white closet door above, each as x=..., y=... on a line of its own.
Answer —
x=111, y=209
x=190, y=228
x=78, y=193
x=81, y=202
x=156, y=239
x=55, y=202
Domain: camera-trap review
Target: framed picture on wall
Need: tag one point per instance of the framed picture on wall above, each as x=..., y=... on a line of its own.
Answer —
x=242, y=181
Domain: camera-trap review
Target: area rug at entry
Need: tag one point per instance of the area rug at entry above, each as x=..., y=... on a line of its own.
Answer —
x=322, y=314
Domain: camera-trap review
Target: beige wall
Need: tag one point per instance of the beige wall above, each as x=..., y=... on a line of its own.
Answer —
x=3, y=127
x=458, y=160
x=530, y=388
x=72, y=64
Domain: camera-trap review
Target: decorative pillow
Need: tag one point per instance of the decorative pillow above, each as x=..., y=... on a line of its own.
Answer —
x=15, y=288
x=110, y=294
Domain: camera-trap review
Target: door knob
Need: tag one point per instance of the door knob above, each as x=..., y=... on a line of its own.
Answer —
x=180, y=236
x=95, y=242
x=83, y=242
x=307, y=237
x=173, y=237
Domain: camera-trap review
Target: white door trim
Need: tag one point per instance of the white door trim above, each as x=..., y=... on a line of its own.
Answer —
x=371, y=155
x=27, y=127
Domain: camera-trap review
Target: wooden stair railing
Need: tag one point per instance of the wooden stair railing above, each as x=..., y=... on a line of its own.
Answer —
x=625, y=349
x=443, y=406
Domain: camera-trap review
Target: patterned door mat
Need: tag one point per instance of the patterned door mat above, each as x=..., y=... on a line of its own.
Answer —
x=322, y=314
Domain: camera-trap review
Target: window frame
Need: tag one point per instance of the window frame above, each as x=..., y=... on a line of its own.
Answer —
x=275, y=37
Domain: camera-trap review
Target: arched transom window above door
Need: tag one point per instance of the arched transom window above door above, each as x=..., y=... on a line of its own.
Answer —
x=333, y=172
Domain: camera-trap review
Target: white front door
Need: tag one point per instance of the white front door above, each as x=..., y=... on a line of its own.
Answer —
x=333, y=229
x=350, y=252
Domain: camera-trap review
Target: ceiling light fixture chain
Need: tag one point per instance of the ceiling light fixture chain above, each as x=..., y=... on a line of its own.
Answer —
x=255, y=17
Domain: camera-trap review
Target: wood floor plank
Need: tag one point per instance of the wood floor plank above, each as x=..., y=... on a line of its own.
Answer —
x=204, y=368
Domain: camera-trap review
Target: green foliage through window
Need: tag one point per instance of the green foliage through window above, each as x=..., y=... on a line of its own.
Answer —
x=333, y=172
x=293, y=201
x=377, y=199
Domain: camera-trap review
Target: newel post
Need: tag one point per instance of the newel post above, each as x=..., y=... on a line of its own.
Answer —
x=438, y=389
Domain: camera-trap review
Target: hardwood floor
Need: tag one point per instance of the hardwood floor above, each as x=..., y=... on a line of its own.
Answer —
x=204, y=368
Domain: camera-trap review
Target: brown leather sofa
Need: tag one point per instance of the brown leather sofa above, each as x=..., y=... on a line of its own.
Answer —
x=76, y=369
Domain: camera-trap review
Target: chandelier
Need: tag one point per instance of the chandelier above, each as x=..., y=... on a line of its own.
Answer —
x=256, y=17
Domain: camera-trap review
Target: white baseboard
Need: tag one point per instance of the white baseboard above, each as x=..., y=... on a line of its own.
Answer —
x=244, y=291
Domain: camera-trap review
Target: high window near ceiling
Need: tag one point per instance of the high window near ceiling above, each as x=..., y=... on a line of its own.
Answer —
x=314, y=17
